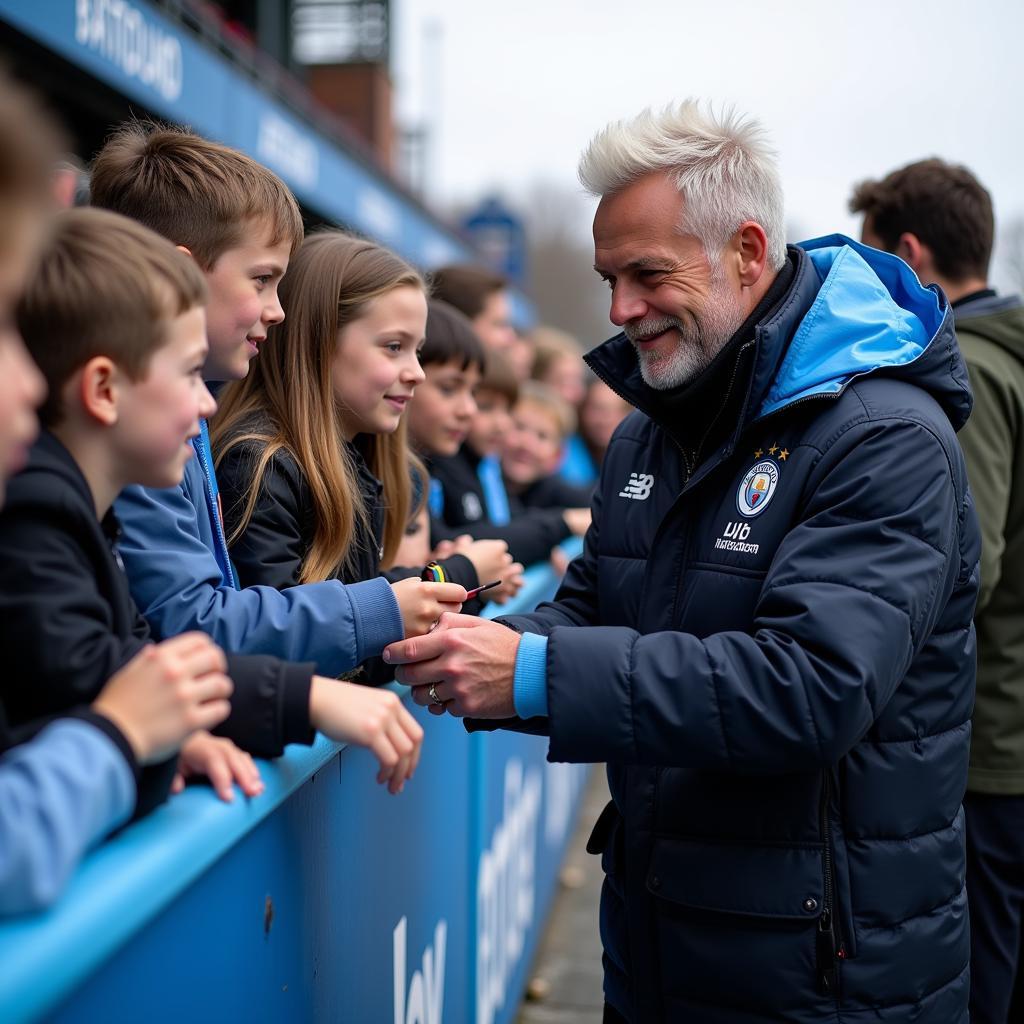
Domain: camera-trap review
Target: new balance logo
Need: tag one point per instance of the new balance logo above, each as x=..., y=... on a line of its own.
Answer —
x=639, y=487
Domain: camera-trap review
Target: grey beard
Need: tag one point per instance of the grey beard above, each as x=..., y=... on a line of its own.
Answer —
x=698, y=342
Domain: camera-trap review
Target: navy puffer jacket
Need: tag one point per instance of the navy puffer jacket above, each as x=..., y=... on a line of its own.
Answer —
x=781, y=672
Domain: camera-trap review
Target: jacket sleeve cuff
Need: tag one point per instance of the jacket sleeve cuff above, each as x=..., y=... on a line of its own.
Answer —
x=530, y=683
x=459, y=569
x=118, y=738
x=378, y=618
x=295, y=724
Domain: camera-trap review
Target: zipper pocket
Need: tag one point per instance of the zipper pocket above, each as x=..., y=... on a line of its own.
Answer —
x=830, y=946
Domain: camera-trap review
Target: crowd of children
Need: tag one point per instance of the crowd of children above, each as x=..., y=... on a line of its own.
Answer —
x=184, y=587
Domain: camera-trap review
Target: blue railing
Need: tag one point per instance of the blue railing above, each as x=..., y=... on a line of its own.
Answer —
x=323, y=899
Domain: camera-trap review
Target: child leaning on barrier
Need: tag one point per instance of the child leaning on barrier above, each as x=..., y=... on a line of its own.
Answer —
x=114, y=317
x=241, y=225
x=315, y=472
x=441, y=421
x=66, y=780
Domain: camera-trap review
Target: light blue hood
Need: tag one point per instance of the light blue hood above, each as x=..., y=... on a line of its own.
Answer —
x=871, y=313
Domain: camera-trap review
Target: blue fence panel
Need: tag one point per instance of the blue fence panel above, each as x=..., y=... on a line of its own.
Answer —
x=323, y=899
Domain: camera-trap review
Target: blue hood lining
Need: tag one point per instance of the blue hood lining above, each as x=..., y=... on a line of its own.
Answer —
x=871, y=312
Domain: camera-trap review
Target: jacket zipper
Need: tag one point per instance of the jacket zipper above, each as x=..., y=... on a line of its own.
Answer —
x=830, y=946
x=211, y=504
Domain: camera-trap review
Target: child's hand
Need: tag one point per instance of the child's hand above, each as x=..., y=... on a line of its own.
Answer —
x=422, y=604
x=221, y=762
x=490, y=558
x=577, y=519
x=559, y=562
x=376, y=719
x=447, y=548
x=166, y=692
x=511, y=584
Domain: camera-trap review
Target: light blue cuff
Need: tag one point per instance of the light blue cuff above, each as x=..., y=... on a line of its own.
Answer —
x=530, y=683
x=378, y=617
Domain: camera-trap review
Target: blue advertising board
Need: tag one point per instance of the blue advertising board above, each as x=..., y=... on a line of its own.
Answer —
x=324, y=899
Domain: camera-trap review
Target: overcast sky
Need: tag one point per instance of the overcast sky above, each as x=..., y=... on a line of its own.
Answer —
x=512, y=91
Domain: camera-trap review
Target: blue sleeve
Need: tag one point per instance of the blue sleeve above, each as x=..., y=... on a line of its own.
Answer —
x=530, y=683
x=178, y=585
x=60, y=793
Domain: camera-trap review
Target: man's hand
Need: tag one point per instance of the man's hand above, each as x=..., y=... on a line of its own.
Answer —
x=221, y=762
x=375, y=719
x=470, y=661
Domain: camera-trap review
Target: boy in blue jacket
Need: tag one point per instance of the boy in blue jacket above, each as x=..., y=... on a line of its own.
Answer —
x=241, y=225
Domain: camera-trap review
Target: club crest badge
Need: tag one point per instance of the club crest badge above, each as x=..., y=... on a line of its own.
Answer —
x=756, y=488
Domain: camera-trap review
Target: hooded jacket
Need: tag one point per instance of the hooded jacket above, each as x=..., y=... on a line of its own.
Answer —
x=991, y=335
x=773, y=651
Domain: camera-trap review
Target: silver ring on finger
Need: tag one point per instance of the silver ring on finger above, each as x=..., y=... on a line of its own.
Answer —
x=432, y=694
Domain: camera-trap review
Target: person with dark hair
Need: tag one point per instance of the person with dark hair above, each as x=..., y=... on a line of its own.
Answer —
x=440, y=423
x=482, y=296
x=938, y=218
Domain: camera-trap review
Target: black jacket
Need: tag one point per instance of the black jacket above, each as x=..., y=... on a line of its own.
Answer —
x=68, y=622
x=550, y=492
x=772, y=648
x=530, y=536
x=281, y=529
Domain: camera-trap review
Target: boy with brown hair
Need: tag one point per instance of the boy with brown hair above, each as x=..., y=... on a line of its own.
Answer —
x=66, y=780
x=114, y=317
x=241, y=225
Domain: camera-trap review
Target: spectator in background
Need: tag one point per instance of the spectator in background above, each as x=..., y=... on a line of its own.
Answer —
x=441, y=418
x=70, y=182
x=482, y=296
x=542, y=423
x=558, y=363
x=601, y=412
x=938, y=218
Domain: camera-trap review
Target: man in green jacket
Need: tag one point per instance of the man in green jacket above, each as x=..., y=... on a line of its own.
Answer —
x=938, y=218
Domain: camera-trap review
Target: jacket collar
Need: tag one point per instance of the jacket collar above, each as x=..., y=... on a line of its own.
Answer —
x=50, y=461
x=615, y=362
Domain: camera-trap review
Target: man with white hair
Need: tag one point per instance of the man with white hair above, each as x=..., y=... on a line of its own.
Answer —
x=768, y=635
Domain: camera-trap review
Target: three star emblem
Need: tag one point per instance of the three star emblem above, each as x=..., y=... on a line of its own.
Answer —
x=783, y=453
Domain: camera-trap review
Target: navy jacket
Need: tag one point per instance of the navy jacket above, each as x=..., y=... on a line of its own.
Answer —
x=775, y=656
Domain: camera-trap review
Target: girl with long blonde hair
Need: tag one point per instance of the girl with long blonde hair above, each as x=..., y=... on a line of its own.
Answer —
x=316, y=477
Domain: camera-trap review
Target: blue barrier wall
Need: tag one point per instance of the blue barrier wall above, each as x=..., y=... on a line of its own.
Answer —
x=324, y=899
